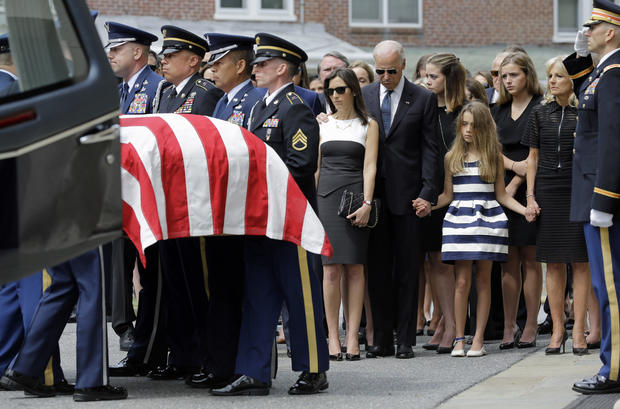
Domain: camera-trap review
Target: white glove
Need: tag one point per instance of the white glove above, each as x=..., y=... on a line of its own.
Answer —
x=601, y=219
x=581, y=43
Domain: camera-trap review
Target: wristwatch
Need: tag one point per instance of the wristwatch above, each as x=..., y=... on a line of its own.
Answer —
x=367, y=202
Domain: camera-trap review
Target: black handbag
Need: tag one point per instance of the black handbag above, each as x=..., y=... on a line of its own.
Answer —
x=350, y=202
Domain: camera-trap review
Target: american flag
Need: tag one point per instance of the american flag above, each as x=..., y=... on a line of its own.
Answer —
x=192, y=175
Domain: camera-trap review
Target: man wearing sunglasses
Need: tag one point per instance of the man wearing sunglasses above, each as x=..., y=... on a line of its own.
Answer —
x=407, y=182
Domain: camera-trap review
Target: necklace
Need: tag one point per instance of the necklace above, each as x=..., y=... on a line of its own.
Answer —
x=349, y=123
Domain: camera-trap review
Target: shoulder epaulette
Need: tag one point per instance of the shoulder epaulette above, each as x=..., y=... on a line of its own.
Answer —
x=292, y=96
x=610, y=66
x=202, y=83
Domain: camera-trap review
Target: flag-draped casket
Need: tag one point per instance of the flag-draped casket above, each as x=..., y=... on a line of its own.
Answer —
x=192, y=175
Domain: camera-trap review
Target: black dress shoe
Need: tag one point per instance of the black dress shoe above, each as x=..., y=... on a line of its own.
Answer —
x=419, y=332
x=127, y=367
x=243, y=385
x=594, y=345
x=203, y=380
x=105, y=392
x=376, y=351
x=16, y=381
x=443, y=350
x=530, y=344
x=309, y=383
x=430, y=347
x=404, y=352
x=352, y=357
x=126, y=339
x=546, y=327
x=597, y=384
x=336, y=357
x=171, y=373
x=61, y=388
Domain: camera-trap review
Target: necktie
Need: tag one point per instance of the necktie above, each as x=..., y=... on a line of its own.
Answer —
x=258, y=110
x=386, y=111
x=124, y=92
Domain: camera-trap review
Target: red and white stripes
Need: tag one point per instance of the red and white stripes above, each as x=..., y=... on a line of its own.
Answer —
x=191, y=175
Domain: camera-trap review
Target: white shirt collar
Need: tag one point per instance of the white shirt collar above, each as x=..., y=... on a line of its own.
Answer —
x=270, y=97
x=231, y=94
x=10, y=73
x=134, y=78
x=182, y=84
x=606, y=56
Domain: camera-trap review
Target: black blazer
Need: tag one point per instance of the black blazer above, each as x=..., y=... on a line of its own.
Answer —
x=409, y=163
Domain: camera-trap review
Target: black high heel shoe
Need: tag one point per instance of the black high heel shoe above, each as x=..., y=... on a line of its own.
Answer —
x=352, y=357
x=556, y=351
x=594, y=345
x=337, y=357
x=511, y=344
x=531, y=344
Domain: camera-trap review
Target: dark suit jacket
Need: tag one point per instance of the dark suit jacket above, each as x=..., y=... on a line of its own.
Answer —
x=198, y=96
x=409, y=162
x=310, y=98
x=490, y=91
x=5, y=80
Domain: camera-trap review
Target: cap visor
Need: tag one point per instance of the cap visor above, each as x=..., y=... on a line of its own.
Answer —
x=168, y=51
x=113, y=44
x=591, y=23
x=218, y=56
x=260, y=59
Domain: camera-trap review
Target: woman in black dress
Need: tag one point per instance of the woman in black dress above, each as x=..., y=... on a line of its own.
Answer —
x=348, y=160
x=445, y=77
x=519, y=94
x=550, y=139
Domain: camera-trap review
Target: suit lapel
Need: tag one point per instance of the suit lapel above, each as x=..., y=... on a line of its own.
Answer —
x=228, y=110
x=136, y=87
x=403, y=105
x=271, y=108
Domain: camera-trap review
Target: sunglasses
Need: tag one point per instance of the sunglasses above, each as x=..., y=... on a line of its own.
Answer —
x=339, y=90
x=381, y=71
x=494, y=73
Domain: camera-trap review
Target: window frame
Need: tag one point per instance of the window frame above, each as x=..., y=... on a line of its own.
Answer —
x=253, y=12
x=584, y=11
x=385, y=22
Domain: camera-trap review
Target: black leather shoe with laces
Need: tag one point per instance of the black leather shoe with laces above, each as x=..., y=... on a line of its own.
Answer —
x=105, y=392
x=309, y=383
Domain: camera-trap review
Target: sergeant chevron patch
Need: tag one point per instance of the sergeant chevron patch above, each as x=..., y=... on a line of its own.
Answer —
x=300, y=141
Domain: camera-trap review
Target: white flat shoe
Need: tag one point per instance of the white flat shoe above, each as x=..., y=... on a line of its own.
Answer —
x=474, y=354
x=458, y=353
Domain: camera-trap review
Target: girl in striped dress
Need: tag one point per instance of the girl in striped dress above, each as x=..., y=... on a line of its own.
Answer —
x=475, y=227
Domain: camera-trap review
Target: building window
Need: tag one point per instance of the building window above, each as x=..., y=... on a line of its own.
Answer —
x=266, y=10
x=385, y=13
x=568, y=18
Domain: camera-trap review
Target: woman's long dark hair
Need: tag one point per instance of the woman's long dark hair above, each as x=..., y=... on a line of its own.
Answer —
x=349, y=78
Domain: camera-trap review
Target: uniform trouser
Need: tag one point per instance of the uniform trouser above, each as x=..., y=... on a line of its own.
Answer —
x=18, y=301
x=226, y=281
x=123, y=260
x=393, y=277
x=278, y=271
x=604, y=255
x=77, y=280
x=183, y=264
x=149, y=345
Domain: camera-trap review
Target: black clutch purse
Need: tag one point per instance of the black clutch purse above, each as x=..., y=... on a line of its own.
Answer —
x=350, y=202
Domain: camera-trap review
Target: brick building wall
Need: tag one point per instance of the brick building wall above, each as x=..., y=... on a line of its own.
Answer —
x=445, y=22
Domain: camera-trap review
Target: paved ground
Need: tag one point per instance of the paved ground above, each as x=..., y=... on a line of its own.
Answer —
x=503, y=379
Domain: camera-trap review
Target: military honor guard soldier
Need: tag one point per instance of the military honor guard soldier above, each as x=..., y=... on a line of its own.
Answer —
x=230, y=61
x=128, y=52
x=278, y=271
x=181, y=259
x=596, y=177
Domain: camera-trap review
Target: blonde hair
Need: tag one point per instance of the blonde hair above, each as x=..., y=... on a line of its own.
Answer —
x=558, y=61
x=524, y=62
x=484, y=141
x=456, y=75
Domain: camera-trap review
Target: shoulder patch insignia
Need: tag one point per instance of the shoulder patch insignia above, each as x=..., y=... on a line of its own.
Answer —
x=300, y=141
x=202, y=83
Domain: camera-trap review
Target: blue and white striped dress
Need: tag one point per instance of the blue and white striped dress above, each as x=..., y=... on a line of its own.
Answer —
x=475, y=226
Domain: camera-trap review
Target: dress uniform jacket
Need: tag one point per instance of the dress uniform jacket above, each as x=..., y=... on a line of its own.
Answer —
x=596, y=184
x=238, y=110
x=290, y=128
x=141, y=95
x=198, y=96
